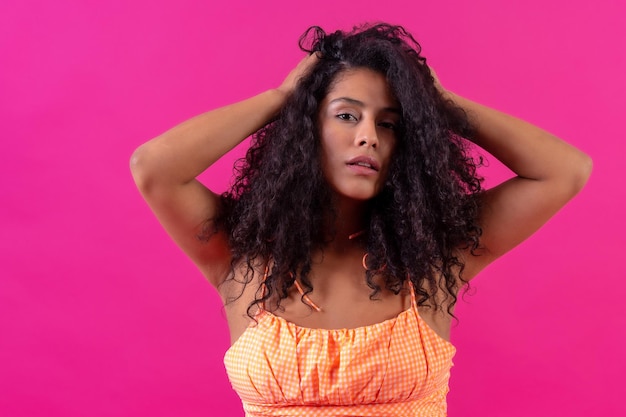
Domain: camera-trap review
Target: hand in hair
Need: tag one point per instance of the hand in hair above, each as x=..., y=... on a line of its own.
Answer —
x=301, y=70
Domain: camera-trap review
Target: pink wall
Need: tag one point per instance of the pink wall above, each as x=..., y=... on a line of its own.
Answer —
x=101, y=315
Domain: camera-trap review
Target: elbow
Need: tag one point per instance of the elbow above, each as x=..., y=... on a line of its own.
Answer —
x=139, y=168
x=585, y=168
x=581, y=169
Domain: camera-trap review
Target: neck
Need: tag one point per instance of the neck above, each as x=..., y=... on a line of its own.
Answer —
x=349, y=226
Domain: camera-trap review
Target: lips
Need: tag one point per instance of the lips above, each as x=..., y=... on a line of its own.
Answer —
x=365, y=162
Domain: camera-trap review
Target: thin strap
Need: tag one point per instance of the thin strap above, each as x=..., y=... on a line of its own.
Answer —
x=413, y=299
x=306, y=297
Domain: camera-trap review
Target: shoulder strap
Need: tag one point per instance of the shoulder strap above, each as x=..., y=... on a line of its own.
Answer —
x=413, y=298
x=306, y=297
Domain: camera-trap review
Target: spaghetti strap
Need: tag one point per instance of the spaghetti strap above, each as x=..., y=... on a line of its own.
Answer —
x=306, y=297
x=413, y=299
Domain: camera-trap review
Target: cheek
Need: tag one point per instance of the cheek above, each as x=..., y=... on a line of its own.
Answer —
x=390, y=151
x=329, y=163
x=329, y=146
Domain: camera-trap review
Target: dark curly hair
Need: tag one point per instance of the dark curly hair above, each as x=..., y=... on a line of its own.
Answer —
x=279, y=203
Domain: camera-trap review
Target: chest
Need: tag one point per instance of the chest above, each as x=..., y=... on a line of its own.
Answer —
x=276, y=361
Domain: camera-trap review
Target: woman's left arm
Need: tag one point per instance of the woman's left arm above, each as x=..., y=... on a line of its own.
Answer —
x=549, y=172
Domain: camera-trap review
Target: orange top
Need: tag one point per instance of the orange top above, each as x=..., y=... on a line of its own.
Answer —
x=399, y=367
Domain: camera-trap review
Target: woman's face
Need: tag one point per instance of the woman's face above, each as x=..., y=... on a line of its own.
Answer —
x=358, y=119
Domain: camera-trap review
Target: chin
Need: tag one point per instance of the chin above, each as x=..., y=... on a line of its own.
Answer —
x=356, y=191
x=357, y=195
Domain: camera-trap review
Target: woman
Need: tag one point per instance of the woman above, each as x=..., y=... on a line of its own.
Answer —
x=353, y=223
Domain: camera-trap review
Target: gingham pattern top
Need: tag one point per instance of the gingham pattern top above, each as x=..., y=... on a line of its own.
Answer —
x=399, y=367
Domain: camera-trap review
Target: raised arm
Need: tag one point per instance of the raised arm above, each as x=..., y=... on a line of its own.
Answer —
x=549, y=172
x=166, y=167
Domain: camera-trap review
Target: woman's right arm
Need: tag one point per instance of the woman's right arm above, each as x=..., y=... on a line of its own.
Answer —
x=166, y=167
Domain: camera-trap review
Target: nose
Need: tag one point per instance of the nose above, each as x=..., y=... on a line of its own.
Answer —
x=366, y=135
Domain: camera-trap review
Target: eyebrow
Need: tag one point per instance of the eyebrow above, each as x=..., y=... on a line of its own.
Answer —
x=361, y=104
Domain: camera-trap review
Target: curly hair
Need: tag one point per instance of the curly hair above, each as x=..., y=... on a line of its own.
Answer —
x=426, y=211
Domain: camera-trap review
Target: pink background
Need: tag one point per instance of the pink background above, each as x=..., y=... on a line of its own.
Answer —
x=100, y=313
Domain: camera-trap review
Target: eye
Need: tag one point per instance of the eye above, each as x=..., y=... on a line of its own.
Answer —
x=388, y=125
x=347, y=117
